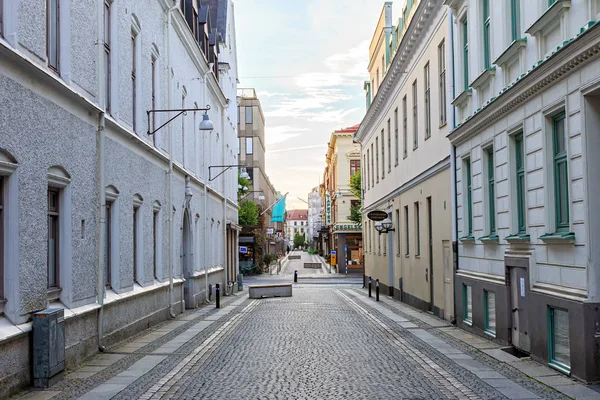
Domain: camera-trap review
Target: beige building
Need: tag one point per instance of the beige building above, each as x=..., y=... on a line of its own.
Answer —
x=344, y=237
x=406, y=159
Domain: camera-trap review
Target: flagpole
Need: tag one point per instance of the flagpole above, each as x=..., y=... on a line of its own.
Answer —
x=272, y=205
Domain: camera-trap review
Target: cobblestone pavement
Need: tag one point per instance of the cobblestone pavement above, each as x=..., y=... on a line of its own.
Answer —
x=325, y=342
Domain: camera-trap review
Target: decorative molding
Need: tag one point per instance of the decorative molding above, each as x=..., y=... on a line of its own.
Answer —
x=483, y=78
x=552, y=14
x=482, y=276
x=511, y=51
x=543, y=75
x=462, y=97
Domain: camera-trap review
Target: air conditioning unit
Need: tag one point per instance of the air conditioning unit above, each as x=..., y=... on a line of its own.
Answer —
x=48, y=347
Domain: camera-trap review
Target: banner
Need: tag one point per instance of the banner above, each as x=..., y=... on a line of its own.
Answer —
x=278, y=211
x=328, y=210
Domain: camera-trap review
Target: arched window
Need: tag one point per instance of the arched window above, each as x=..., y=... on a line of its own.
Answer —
x=111, y=242
x=157, y=240
x=138, y=240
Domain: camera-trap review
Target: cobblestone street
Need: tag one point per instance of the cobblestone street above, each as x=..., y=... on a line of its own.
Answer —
x=327, y=341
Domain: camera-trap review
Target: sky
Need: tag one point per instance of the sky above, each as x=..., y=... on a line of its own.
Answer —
x=307, y=60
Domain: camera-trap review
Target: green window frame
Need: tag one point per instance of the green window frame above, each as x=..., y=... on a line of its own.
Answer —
x=550, y=2
x=491, y=190
x=515, y=19
x=465, y=54
x=489, y=312
x=559, y=346
x=467, y=304
x=469, y=198
x=487, y=62
x=561, y=173
x=520, y=181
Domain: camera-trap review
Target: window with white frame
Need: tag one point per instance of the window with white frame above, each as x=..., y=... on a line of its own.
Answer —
x=135, y=33
x=249, y=116
x=249, y=149
x=404, y=127
x=406, y=233
x=415, y=116
x=467, y=304
x=111, y=242
x=489, y=309
x=138, y=240
x=427, y=94
x=52, y=34
x=367, y=170
x=372, y=167
x=377, y=158
x=559, y=343
x=107, y=55
x=156, y=240
x=389, y=145
x=397, y=140
x=442, y=82
x=59, y=259
x=382, y=154
x=1, y=232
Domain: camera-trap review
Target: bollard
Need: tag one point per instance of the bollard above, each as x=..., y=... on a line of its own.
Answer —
x=295, y=276
x=364, y=281
x=376, y=290
x=369, y=286
x=218, y=299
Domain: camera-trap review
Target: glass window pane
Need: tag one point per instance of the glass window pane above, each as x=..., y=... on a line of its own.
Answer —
x=51, y=251
x=560, y=337
x=559, y=135
x=248, y=115
x=249, y=148
x=563, y=203
x=469, y=299
x=491, y=311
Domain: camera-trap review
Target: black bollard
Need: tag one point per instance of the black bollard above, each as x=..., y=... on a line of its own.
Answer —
x=369, y=286
x=295, y=276
x=217, y=295
x=377, y=290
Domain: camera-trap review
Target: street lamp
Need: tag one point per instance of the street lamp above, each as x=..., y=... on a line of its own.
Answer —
x=261, y=197
x=384, y=226
x=243, y=174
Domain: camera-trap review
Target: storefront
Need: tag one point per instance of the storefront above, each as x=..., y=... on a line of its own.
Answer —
x=347, y=239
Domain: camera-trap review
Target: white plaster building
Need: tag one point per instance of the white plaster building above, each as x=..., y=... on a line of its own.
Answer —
x=296, y=222
x=406, y=158
x=526, y=90
x=86, y=195
x=314, y=216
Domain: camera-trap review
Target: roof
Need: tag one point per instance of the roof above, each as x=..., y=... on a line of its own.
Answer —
x=350, y=129
x=297, y=215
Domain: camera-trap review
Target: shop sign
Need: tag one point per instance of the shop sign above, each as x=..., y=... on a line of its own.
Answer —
x=328, y=210
x=333, y=259
x=377, y=215
x=244, y=249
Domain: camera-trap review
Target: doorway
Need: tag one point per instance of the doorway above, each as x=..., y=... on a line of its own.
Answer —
x=519, y=293
x=430, y=250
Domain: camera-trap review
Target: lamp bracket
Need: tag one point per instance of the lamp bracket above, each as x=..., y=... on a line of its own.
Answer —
x=226, y=167
x=179, y=111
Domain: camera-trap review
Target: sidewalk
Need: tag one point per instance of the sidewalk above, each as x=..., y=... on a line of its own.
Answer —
x=413, y=319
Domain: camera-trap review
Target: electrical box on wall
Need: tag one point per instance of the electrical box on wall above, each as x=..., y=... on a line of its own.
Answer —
x=48, y=347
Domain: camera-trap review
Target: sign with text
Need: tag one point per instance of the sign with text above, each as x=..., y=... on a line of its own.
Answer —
x=377, y=215
x=333, y=259
x=328, y=210
x=269, y=231
x=243, y=249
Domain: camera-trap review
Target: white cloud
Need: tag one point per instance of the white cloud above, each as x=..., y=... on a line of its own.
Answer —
x=282, y=133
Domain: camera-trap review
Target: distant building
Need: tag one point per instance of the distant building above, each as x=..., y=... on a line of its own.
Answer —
x=314, y=216
x=296, y=222
x=343, y=235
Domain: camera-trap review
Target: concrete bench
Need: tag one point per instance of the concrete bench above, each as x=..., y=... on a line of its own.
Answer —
x=294, y=257
x=316, y=265
x=275, y=290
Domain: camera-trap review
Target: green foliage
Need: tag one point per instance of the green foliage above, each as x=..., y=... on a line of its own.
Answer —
x=269, y=258
x=299, y=240
x=248, y=213
x=243, y=183
x=356, y=189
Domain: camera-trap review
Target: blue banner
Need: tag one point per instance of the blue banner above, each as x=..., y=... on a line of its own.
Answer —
x=278, y=211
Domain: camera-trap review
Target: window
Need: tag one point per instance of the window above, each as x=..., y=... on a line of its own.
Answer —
x=399, y=244
x=520, y=181
x=239, y=145
x=295, y=223
x=465, y=32
x=155, y=240
x=550, y=2
x=377, y=157
x=489, y=309
x=154, y=80
x=442, y=82
x=248, y=145
x=107, y=71
x=53, y=238
x=406, y=232
x=427, y=102
x=1, y=232
x=417, y=230
x=559, y=346
x=367, y=172
x=405, y=127
x=389, y=136
x=1, y=35
x=487, y=62
x=249, y=118
x=109, y=244
x=396, y=135
x=561, y=173
x=491, y=190
x=250, y=172
x=467, y=304
x=468, y=198
x=515, y=19
x=52, y=34
x=415, y=116
x=378, y=79
x=138, y=244
x=382, y=154
x=354, y=167
x=372, y=167
x=133, y=82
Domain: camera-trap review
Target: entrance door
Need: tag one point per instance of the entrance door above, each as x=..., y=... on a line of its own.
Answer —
x=448, y=279
x=430, y=247
x=519, y=291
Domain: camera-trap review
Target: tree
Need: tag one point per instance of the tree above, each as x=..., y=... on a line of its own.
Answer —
x=248, y=213
x=356, y=189
x=243, y=183
x=299, y=240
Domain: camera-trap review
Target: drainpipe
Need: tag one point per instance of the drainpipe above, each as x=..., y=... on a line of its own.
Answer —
x=170, y=172
x=224, y=191
x=453, y=190
x=102, y=227
x=206, y=177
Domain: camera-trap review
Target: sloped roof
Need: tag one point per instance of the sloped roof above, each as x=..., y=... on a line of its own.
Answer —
x=297, y=215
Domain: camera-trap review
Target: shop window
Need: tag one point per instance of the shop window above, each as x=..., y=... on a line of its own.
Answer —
x=467, y=305
x=559, y=346
x=489, y=309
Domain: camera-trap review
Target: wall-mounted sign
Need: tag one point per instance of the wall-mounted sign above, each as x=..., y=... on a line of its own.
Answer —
x=328, y=210
x=347, y=227
x=377, y=215
x=269, y=231
x=243, y=249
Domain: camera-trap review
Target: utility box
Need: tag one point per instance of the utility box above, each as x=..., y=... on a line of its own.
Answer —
x=48, y=347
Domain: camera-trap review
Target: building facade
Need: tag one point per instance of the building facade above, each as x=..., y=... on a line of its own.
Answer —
x=314, y=217
x=94, y=217
x=296, y=222
x=525, y=146
x=344, y=236
x=406, y=163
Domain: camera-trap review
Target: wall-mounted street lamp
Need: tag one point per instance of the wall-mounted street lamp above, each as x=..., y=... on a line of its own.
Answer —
x=243, y=174
x=205, y=125
x=261, y=197
x=384, y=226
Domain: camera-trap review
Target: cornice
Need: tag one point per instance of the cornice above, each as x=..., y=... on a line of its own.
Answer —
x=572, y=55
x=402, y=58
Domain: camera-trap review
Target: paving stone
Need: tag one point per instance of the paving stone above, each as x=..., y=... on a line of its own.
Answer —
x=501, y=355
x=40, y=395
x=578, y=391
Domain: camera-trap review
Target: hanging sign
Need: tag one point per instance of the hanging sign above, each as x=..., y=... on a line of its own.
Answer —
x=377, y=215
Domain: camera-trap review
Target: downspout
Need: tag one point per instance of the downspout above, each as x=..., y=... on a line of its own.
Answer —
x=170, y=172
x=206, y=177
x=224, y=189
x=453, y=189
x=102, y=232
